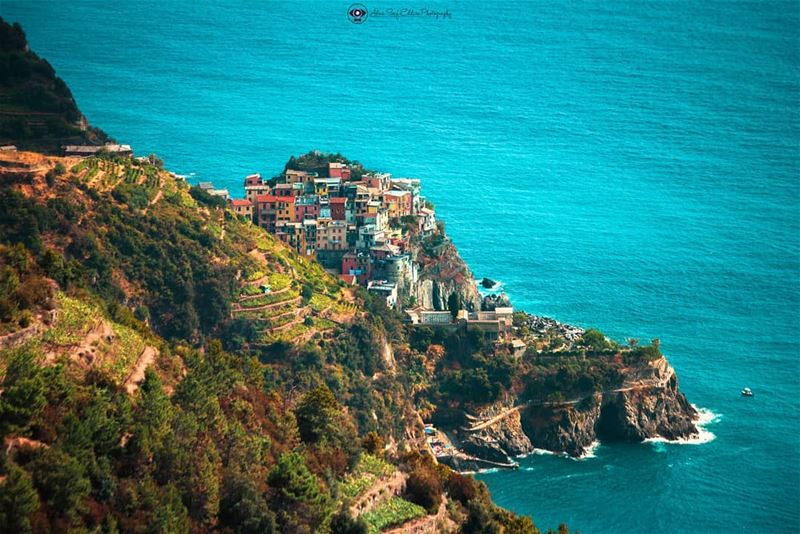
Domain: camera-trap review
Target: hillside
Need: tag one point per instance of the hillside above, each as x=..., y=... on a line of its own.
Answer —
x=37, y=109
x=150, y=383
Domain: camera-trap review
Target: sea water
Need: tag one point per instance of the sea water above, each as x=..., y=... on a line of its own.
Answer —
x=629, y=165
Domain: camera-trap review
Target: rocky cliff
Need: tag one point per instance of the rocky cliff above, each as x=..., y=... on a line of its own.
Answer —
x=442, y=272
x=648, y=405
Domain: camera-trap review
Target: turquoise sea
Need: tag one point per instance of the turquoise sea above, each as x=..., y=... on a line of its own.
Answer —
x=631, y=165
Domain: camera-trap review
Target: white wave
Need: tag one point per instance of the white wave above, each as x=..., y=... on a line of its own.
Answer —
x=481, y=471
x=494, y=289
x=704, y=417
x=538, y=452
x=588, y=453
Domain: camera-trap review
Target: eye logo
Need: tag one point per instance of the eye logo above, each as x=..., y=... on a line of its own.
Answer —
x=357, y=13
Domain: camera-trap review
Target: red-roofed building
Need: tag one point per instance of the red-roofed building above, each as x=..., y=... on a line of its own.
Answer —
x=357, y=264
x=338, y=170
x=242, y=207
x=306, y=207
x=349, y=279
x=284, y=209
x=338, y=207
x=287, y=190
x=265, y=210
x=253, y=179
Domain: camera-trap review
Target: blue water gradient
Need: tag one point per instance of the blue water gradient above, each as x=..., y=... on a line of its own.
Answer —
x=629, y=165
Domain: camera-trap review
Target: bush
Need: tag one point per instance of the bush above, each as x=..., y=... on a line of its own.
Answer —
x=307, y=292
x=424, y=488
x=461, y=488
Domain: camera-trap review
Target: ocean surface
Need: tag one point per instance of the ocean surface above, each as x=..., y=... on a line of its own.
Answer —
x=632, y=165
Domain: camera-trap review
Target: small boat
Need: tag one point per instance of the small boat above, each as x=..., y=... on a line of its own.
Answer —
x=747, y=392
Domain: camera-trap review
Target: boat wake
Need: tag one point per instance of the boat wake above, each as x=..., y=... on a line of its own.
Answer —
x=704, y=418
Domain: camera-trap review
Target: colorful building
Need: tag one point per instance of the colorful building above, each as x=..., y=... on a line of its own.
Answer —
x=242, y=207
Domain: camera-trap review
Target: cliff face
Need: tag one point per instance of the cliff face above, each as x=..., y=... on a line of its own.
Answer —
x=647, y=406
x=442, y=272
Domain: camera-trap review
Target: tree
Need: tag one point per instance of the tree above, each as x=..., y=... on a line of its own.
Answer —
x=244, y=509
x=595, y=340
x=344, y=523
x=23, y=393
x=151, y=418
x=424, y=488
x=170, y=516
x=61, y=480
x=295, y=493
x=461, y=488
x=454, y=304
x=18, y=500
x=318, y=416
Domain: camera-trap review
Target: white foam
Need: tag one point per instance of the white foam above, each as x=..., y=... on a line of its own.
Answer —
x=538, y=452
x=481, y=471
x=589, y=452
x=704, y=417
x=494, y=289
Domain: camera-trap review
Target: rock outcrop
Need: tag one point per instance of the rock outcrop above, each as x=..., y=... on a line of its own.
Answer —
x=441, y=275
x=648, y=405
x=490, y=302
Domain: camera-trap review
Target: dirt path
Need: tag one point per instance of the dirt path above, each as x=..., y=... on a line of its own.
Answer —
x=245, y=298
x=301, y=316
x=268, y=306
x=383, y=489
x=146, y=358
x=157, y=197
x=497, y=418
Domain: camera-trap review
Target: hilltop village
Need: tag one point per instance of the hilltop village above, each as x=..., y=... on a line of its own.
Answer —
x=356, y=225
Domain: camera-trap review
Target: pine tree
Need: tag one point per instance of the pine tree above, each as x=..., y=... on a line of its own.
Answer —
x=18, y=500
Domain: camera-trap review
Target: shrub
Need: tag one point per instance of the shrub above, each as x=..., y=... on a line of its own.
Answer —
x=424, y=488
x=461, y=488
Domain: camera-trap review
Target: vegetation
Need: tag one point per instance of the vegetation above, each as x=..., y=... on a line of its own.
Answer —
x=232, y=429
x=39, y=111
x=391, y=512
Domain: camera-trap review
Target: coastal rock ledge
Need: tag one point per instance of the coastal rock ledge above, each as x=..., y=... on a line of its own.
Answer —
x=649, y=405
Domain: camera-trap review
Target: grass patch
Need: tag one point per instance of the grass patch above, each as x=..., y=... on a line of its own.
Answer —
x=121, y=354
x=75, y=319
x=390, y=513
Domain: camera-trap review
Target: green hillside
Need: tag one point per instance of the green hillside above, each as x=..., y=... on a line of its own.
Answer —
x=37, y=110
x=148, y=385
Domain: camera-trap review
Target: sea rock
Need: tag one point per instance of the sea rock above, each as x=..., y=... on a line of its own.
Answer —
x=490, y=302
x=488, y=283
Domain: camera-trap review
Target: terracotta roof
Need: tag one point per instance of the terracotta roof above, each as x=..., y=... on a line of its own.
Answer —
x=338, y=200
x=348, y=278
x=241, y=202
x=267, y=198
